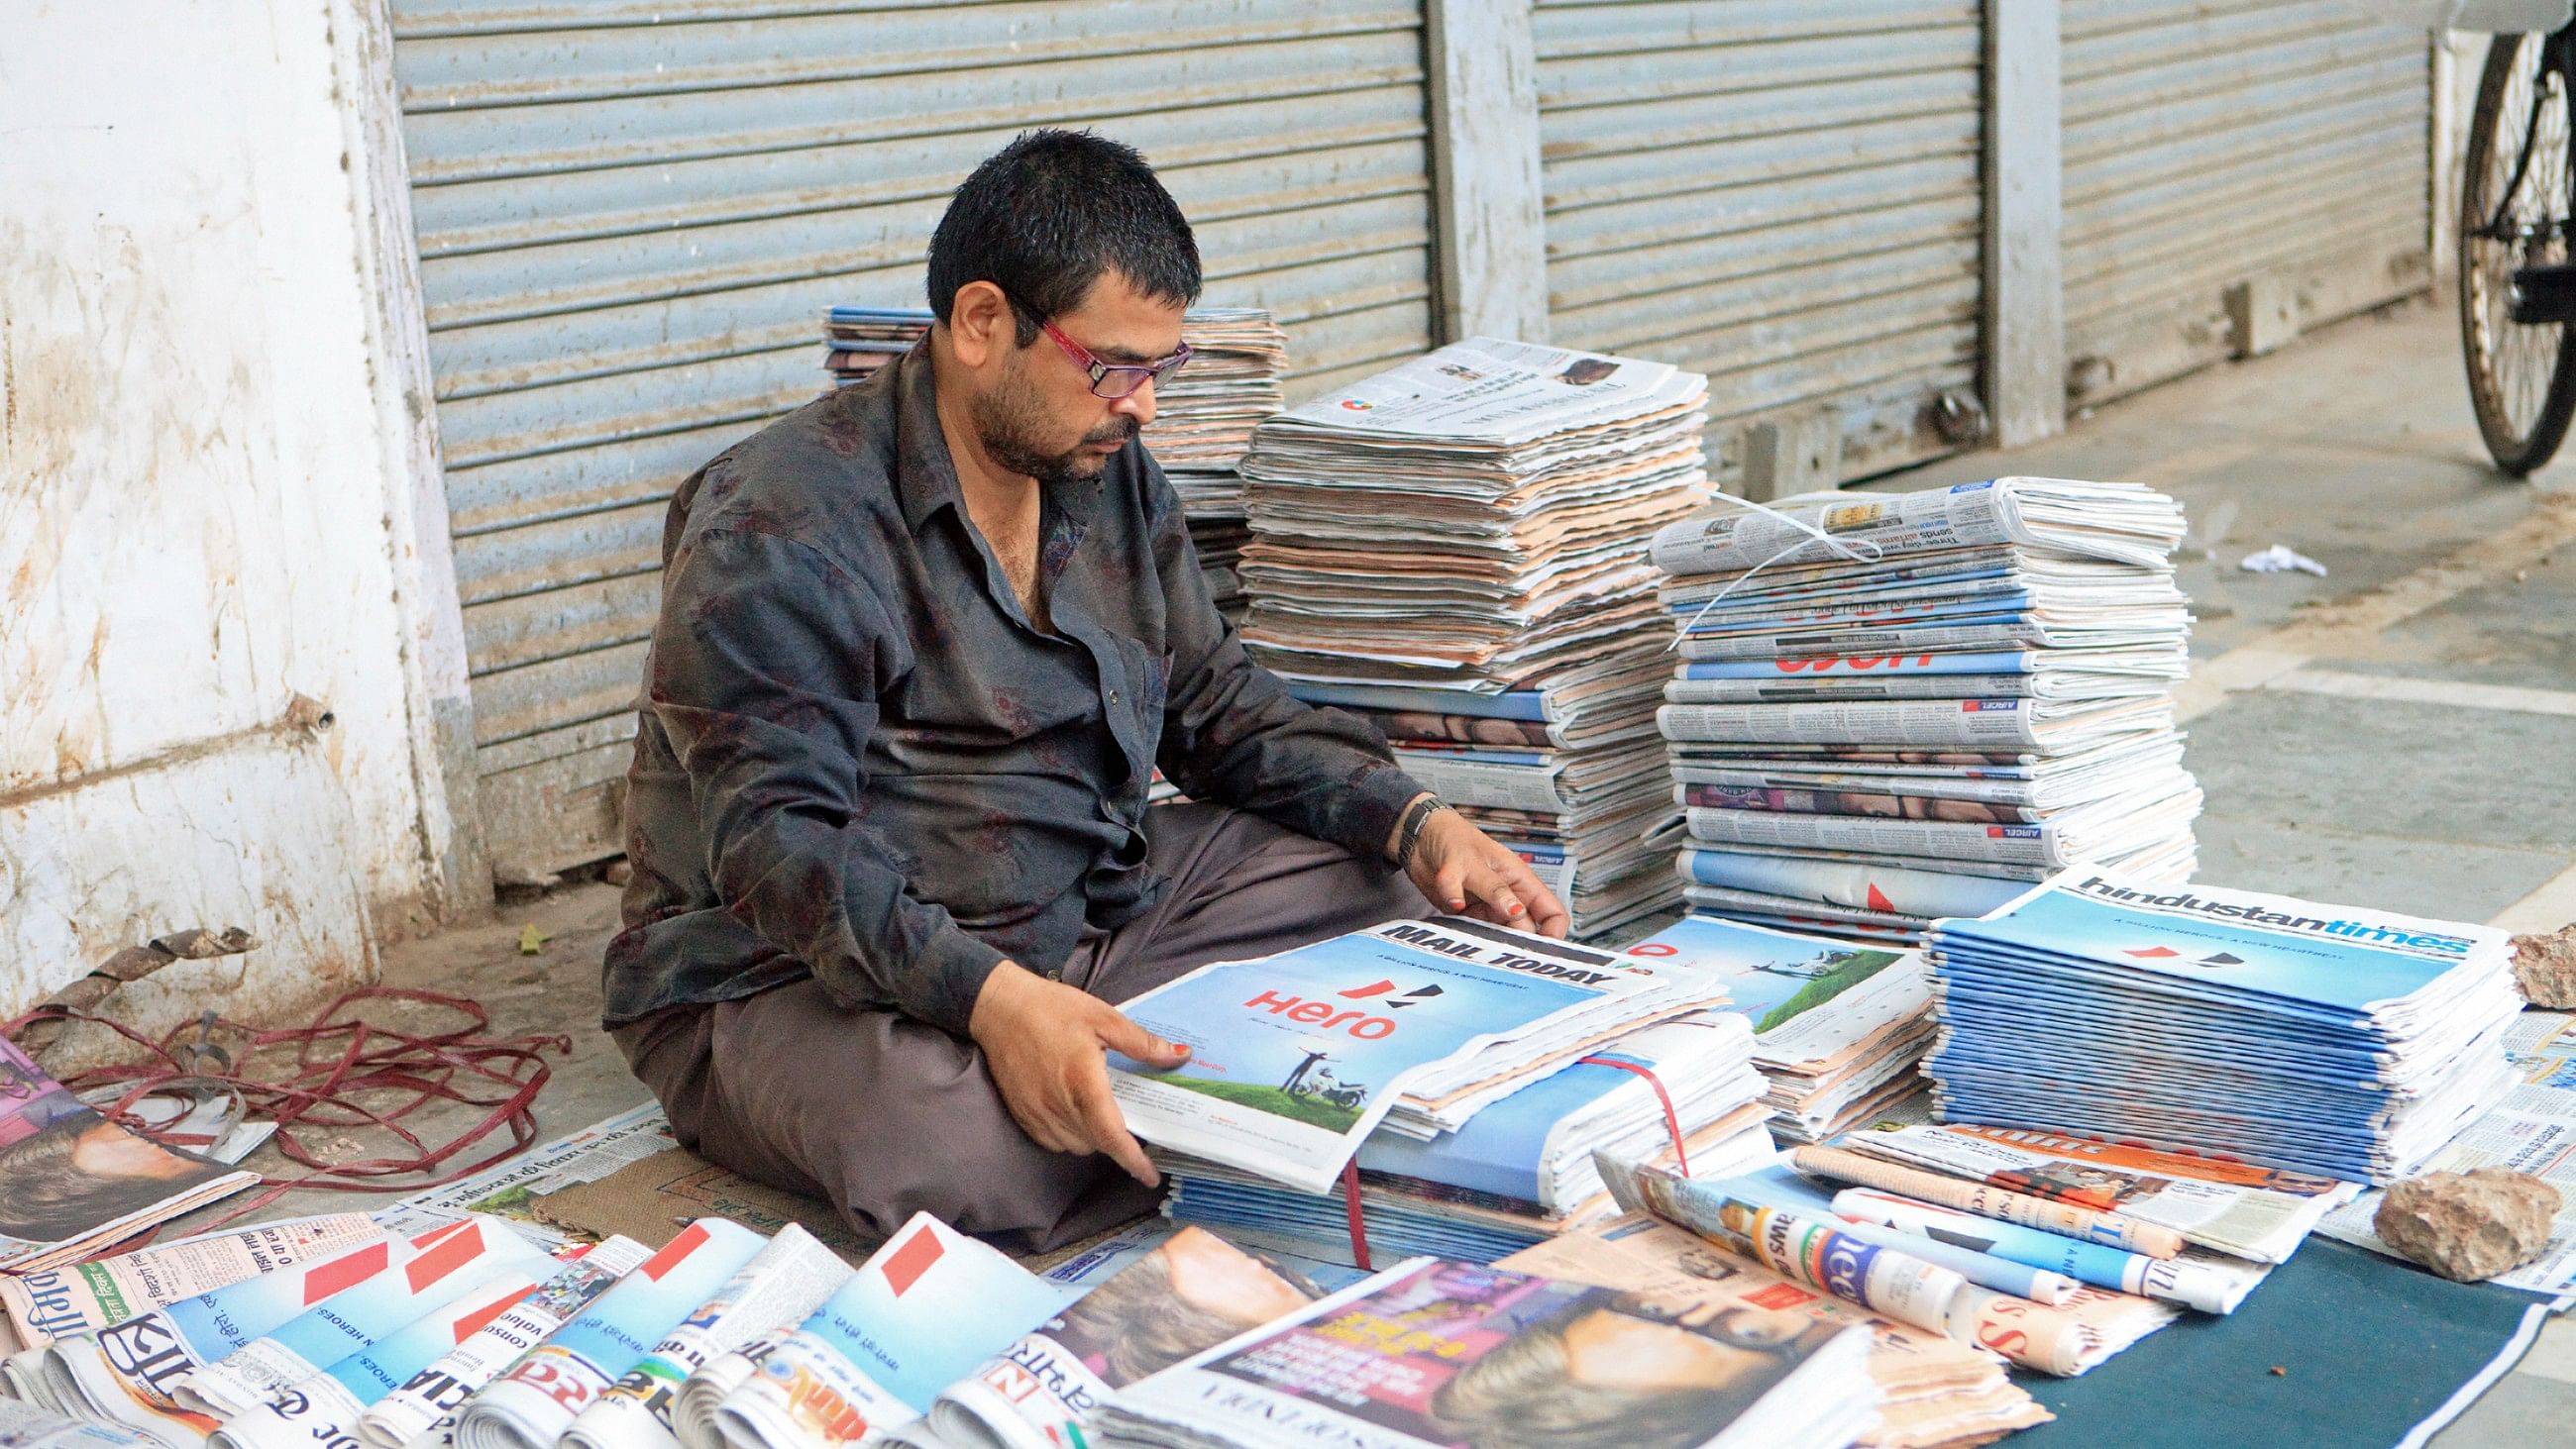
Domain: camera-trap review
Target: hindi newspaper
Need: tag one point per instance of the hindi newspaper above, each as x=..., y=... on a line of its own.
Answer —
x=72, y=1182
x=1439, y=1353
x=780, y=1287
x=1189, y=1294
x=1296, y=1057
x=2532, y=1130
x=1986, y=1200
x=538, y=1397
x=472, y=1257
x=422, y=1410
x=324, y=1407
x=85, y=1297
x=920, y=1314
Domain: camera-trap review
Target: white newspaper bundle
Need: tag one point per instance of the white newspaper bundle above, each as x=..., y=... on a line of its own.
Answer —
x=1190, y=1293
x=422, y=1409
x=920, y=1314
x=2102, y=830
x=326, y=1407
x=1860, y=1266
x=1434, y=1353
x=478, y=1254
x=86, y=1297
x=1837, y=1027
x=1933, y=1390
x=1296, y=1057
x=129, y=1375
x=2121, y=522
x=2533, y=1129
x=1521, y=1169
x=2256, y=1213
x=29, y=1426
x=780, y=1287
x=533, y=1401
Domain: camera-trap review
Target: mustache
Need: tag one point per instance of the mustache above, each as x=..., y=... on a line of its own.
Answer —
x=1120, y=430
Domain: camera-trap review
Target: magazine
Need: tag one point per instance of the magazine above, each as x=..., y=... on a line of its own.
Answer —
x=1933, y=1390
x=1436, y=1353
x=1295, y=1057
x=72, y=1182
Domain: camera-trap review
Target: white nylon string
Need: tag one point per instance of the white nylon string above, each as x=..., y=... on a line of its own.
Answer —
x=1862, y=552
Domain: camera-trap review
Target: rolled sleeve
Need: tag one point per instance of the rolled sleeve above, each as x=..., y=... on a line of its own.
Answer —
x=766, y=668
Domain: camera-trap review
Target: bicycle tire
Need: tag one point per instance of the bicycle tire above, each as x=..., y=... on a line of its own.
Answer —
x=2485, y=263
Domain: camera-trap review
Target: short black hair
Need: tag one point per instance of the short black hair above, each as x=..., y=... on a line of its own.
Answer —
x=1045, y=216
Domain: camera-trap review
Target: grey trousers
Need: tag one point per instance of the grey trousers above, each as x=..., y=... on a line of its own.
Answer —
x=885, y=1116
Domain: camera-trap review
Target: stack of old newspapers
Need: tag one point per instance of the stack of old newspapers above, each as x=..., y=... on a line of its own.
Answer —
x=1456, y=1076
x=1888, y=709
x=1450, y=548
x=1839, y=1027
x=1203, y=416
x=2342, y=1041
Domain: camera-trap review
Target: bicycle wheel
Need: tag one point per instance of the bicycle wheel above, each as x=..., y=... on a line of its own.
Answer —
x=2514, y=209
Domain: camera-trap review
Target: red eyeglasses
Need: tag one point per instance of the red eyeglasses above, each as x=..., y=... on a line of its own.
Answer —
x=1118, y=379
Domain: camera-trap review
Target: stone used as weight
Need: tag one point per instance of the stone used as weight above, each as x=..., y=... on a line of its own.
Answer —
x=2468, y=1226
x=2544, y=966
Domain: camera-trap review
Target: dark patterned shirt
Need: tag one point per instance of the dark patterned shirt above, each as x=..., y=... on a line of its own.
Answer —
x=858, y=759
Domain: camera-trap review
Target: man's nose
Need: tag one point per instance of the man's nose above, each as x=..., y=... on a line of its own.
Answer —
x=1138, y=405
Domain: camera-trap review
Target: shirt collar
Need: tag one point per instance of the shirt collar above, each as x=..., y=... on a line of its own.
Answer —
x=926, y=476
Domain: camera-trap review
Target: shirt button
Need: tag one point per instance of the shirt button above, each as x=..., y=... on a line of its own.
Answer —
x=1113, y=696
x=1055, y=973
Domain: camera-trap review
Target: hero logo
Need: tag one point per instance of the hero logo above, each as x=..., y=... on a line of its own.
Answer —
x=2167, y=953
x=1326, y=1016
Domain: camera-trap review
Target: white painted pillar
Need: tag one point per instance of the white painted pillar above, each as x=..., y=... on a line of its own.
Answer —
x=2025, y=292
x=1489, y=232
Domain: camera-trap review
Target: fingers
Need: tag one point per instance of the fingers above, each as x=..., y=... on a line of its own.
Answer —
x=1546, y=914
x=1448, y=888
x=1493, y=895
x=1107, y=1127
x=1121, y=1035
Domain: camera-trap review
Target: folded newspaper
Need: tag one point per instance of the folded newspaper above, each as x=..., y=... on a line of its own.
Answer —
x=2342, y=1042
x=1296, y=1057
x=56, y=1303
x=1431, y=1353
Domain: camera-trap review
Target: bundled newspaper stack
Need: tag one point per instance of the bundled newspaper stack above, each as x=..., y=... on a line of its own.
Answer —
x=1839, y=1027
x=1521, y=1170
x=1450, y=548
x=2346, y=1042
x=1203, y=417
x=1893, y=708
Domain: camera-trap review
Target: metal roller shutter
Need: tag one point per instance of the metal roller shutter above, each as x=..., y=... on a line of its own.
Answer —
x=1782, y=194
x=630, y=216
x=2210, y=143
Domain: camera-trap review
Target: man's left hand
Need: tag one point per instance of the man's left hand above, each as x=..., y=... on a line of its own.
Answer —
x=1461, y=869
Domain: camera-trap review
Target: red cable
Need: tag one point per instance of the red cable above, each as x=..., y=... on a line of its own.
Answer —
x=334, y=1064
x=1672, y=1119
x=1351, y=1207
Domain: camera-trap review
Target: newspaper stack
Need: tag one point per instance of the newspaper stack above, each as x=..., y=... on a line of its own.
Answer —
x=1301, y=1055
x=1450, y=547
x=1839, y=1027
x=1889, y=709
x=1203, y=417
x=1521, y=1170
x=1433, y=1353
x=2342, y=1041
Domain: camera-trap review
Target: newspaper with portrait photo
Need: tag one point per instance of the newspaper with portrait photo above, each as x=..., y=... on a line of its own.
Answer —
x=73, y=1182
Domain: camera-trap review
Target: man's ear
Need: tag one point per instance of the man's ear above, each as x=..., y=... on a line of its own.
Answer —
x=981, y=326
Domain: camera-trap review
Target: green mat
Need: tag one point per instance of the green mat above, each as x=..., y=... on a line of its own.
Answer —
x=2372, y=1352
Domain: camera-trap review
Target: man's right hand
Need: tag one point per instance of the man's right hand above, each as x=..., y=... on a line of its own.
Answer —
x=1047, y=1046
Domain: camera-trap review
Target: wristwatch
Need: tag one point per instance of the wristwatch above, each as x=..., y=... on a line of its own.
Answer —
x=1410, y=834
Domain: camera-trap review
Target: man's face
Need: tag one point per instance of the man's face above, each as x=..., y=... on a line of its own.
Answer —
x=1036, y=414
